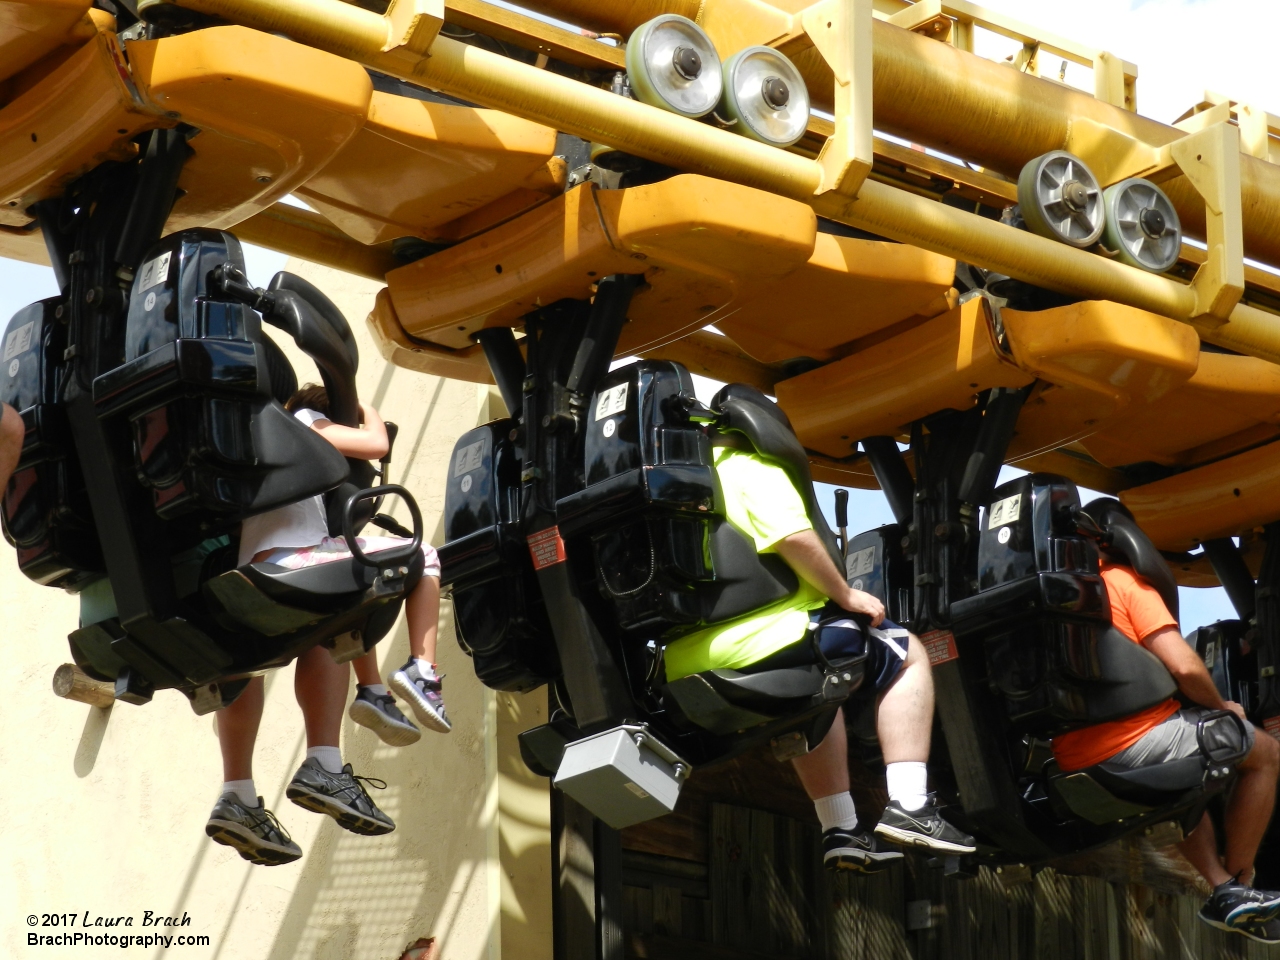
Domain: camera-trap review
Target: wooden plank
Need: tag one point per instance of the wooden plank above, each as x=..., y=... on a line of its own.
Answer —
x=655, y=947
x=668, y=912
x=533, y=34
x=637, y=909
x=730, y=876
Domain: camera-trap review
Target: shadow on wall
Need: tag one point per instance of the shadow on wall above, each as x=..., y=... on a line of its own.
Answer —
x=363, y=897
x=95, y=729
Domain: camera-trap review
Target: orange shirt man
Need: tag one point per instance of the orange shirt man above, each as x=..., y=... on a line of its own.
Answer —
x=1166, y=733
x=1138, y=612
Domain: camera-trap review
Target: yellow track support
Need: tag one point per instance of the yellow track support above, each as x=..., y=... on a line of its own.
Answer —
x=593, y=114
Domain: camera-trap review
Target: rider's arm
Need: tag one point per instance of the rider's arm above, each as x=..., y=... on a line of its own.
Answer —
x=365, y=442
x=805, y=554
x=1188, y=669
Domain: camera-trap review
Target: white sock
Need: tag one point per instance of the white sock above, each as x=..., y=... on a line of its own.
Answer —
x=426, y=668
x=330, y=757
x=244, y=789
x=836, y=810
x=377, y=689
x=908, y=783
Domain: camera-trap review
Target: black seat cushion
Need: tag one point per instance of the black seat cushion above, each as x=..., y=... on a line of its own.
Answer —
x=1152, y=785
x=326, y=586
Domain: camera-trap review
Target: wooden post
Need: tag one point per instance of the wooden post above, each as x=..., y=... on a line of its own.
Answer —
x=72, y=683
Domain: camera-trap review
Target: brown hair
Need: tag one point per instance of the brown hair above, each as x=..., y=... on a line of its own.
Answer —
x=310, y=396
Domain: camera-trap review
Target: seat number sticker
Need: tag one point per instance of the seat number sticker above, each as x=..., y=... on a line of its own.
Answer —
x=546, y=548
x=940, y=645
x=154, y=271
x=468, y=458
x=19, y=341
x=612, y=401
x=1005, y=511
x=861, y=563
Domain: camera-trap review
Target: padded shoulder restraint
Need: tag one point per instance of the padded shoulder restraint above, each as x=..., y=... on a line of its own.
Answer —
x=744, y=409
x=1133, y=548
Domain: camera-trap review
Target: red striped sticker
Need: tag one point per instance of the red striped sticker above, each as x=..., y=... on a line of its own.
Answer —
x=940, y=645
x=547, y=548
x=1272, y=726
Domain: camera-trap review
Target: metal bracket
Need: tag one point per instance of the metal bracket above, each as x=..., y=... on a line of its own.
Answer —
x=841, y=31
x=412, y=26
x=1209, y=157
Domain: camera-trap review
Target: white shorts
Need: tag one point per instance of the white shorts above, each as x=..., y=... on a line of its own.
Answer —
x=335, y=548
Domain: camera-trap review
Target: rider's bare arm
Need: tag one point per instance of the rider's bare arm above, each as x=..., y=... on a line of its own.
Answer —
x=806, y=555
x=365, y=442
x=1188, y=670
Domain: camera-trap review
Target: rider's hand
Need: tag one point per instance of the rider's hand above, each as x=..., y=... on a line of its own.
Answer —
x=1234, y=708
x=856, y=601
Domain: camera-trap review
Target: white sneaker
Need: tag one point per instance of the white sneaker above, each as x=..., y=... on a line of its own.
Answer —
x=423, y=695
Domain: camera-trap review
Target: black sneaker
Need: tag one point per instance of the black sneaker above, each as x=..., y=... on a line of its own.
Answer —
x=253, y=832
x=855, y=850
x=1232, y=905
x=1268, y=932
x=923, y=828
x=380, y=714
x=341, y=796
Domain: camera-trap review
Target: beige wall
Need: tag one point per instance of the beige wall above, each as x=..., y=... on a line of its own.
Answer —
x=105, y=810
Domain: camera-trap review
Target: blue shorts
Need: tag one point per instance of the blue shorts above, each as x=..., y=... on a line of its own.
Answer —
x=840, y=636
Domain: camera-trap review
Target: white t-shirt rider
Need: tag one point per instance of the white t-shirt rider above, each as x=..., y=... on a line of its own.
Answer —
x=301, y=524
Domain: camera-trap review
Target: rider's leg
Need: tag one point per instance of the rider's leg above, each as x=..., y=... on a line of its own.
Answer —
x=1201, y=850
x=422, y=611
x=904, y=723
x=366, y=668
x=320, y=686
x=237, y=725
x=824, y=770
x=1251, y=804
x=12, y=432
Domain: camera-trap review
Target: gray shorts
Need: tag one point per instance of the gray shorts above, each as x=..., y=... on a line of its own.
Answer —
x=1175, y=739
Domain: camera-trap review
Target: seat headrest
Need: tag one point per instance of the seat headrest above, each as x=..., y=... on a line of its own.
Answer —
x=744, y=409
x=1129, y=546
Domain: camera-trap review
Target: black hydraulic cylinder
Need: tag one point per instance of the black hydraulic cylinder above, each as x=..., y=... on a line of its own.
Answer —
x=998, y=423
x=1234, y=574
x=604, y=326
x=157, y=190
x=506, y=364
x=892, y=475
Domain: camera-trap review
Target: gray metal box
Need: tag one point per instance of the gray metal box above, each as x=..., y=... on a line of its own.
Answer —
x=623, y=776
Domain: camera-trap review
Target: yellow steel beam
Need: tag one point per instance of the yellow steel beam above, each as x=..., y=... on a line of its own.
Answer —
x=505, y=84
x=533, y=34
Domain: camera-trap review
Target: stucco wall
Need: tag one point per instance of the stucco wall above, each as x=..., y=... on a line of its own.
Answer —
x=106, y=809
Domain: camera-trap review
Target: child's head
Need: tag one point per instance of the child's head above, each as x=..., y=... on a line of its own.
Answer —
x=310, y=396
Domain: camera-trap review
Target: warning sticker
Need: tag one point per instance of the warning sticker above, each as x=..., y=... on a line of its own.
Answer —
x=861, y=563
x=468, y=458
x=612, y=401
x=1272, y=726
x=154, y=271
x=940, y=645
x=19, y=341
x=546, y=548
x=1005, y=511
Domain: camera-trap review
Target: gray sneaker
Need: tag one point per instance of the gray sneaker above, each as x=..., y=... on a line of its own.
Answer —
x=380, y=714
x=253, y=832
x=423, y=695
x=341, y=796
x=923, y=828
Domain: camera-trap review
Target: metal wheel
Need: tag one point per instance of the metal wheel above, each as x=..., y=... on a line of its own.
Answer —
x=1060, y=199
x=1142, y=225
x=766, y=96
x=673, y=65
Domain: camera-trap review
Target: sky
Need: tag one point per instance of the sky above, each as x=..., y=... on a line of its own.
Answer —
x=1181, y=47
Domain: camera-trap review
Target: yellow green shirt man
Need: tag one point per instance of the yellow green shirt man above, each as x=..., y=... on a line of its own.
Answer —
x=761, y=502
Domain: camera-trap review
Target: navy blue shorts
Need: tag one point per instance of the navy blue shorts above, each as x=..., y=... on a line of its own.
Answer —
x=840, y=636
